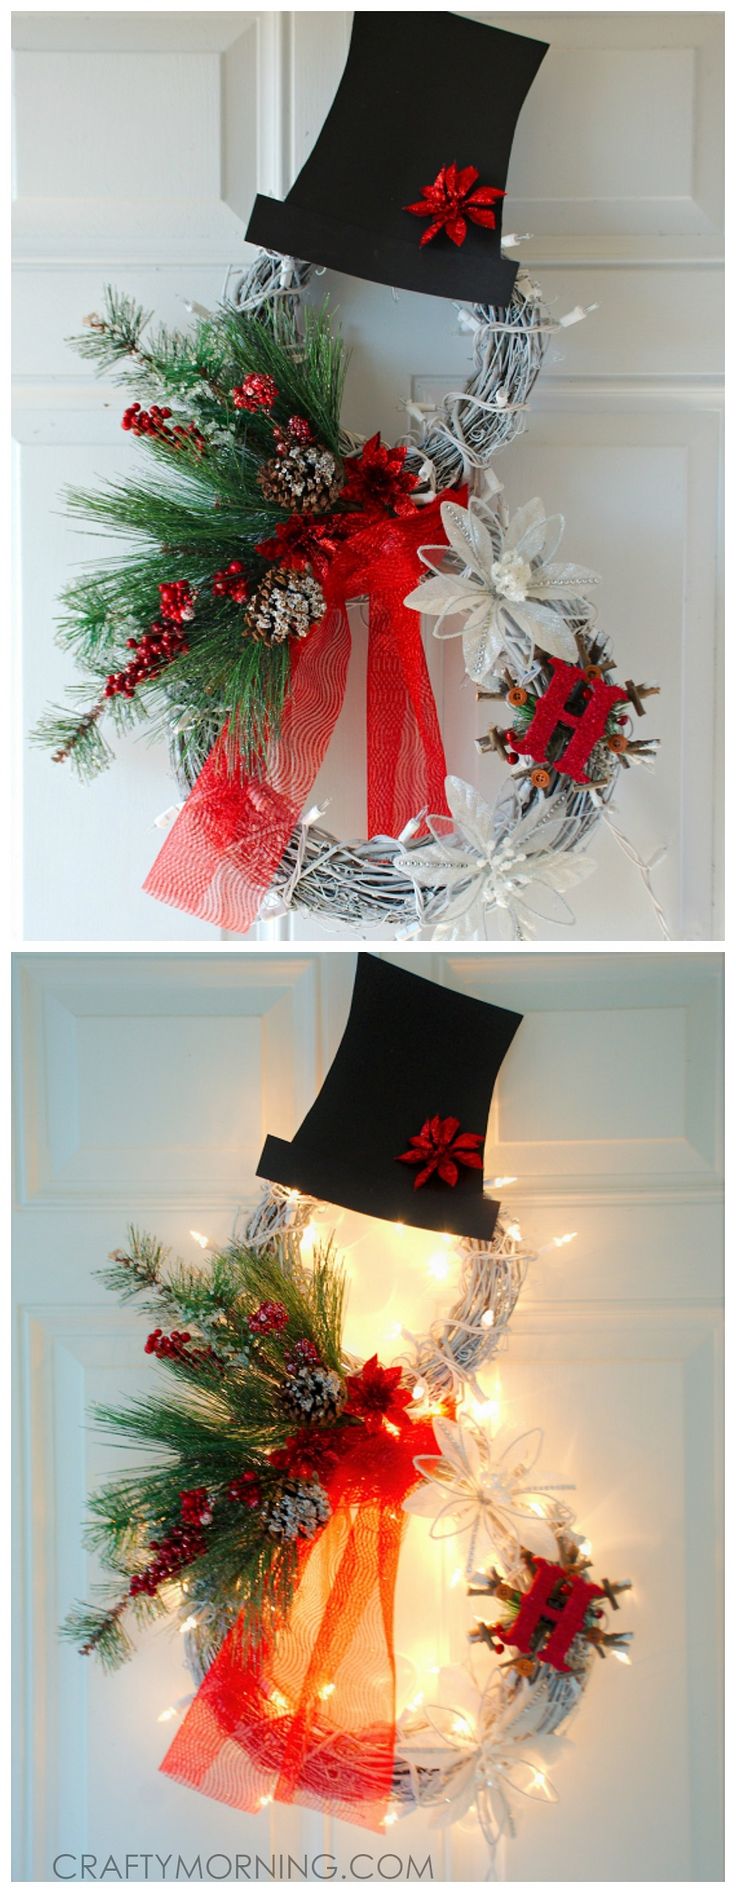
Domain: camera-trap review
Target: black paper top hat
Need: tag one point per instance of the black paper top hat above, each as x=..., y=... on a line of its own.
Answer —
x=411, y=1052
x=420, y=91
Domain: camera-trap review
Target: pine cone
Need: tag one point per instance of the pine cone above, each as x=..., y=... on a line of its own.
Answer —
x=284, y=605
x=313, y=1393
x=298, y=1509
x=304, y=479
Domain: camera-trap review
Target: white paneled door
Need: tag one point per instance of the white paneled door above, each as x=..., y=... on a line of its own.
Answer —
x=141, y=140
x=144, y=1088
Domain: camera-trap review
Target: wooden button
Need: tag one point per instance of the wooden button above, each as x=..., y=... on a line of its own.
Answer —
x=517, y=697
x=541, y=778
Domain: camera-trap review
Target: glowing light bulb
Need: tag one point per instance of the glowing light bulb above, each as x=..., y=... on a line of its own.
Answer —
x=438, y=1266
x=462, y=1725
x=278, y=1699
x=389, y=1820
x=415, y=1701
x=306, y=1243
x=204, y=1241
x=264, y=1800
x=499, y=1183
x=514, y=1232
x=623, y=1656
x=190, y=1623
x=457, y=1578
x=487, y=1320
x=538, y=1779
x=585, y=1548
x=418, y=1390
x=328, y=1689
x=167, y=1715
x=485, y=1409
x=559, y=1241
x=398, y=1225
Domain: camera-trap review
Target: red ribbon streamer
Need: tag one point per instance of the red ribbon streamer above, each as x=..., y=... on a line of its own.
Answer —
x=225, y=846
x=307, y=1712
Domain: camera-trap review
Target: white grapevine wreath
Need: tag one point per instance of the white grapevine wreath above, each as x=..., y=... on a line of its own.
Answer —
x=242, y=1505
x=254, y=445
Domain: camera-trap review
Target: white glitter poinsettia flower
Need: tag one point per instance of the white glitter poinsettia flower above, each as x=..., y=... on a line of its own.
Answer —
x=492, y=1748
x=484, y=1485
x=500, y=576
x=524, y=873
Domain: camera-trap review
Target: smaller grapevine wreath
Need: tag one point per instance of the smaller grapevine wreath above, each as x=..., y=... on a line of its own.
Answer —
x=259, y=521
x=269, y=1518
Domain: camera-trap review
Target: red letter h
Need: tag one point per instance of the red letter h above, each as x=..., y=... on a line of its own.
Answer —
x=587, y=728
x=566, y=1615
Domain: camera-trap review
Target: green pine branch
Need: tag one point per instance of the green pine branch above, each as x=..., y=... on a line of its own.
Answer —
x=99, y=1632
x=187, y=515
x=75, y=738
x=222, y=1417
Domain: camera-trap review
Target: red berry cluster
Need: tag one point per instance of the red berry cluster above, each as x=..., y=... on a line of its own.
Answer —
x=300, y=430
x=255, y=392
x=153, y=422
x=196, y=1506
x=180, y=1547
x=174, y=1347
x=270, y=1317
x=297, y=432
x=157, y=648
x=303, y=1354
x=246, y=1490
x=177, y=601
x=230, y=583
x=138, y=420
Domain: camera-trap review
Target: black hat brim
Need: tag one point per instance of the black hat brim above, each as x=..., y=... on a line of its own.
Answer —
x=434, y=1207
x=461, y=275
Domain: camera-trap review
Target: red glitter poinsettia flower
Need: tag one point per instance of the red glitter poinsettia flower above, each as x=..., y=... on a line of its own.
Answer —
x=309, y=1452
x=304, y=540
x=374, y=1395
x=442, y=1147
x=452, y=199
x=378, y=481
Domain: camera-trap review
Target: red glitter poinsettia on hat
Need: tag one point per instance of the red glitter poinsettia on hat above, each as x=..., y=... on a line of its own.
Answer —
x=441, y=1146
x=452, y=199
x=374, y=1395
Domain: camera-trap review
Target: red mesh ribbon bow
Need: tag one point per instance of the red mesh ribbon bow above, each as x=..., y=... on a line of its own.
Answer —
x=221, y=855
x=307, y=1713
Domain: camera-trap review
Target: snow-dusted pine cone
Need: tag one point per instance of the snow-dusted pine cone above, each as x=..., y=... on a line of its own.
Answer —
x=298, y=1509
x=284, y=605
x=302, y=480
x=313, y=1393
